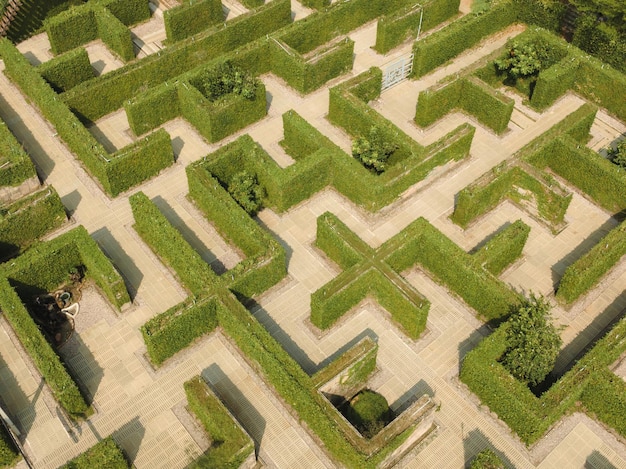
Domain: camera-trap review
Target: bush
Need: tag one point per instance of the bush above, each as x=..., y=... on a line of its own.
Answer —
x=8, y=452
x=486, y=459
x=618, y=154
x=586, y=272
x=104, y=454
x=247, y=192
x=191, y=18
x=170, y=332
x=372, y=151
x=226, y=79
x=504, y=248
x=369, y=412
x=28, y=219
x=67, y=70
x=230, y=446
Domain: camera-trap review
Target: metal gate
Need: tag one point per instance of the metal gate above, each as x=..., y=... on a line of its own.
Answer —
x=397, y=71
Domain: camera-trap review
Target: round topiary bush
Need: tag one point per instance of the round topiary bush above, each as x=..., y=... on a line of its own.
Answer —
x=369, y=412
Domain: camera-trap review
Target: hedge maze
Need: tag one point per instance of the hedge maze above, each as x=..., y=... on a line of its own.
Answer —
x=405, y=237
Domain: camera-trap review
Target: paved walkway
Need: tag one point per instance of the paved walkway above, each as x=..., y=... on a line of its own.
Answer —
x=140, y=406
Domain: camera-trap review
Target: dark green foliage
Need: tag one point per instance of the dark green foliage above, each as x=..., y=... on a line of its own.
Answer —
x=372, y=151
x=521, y=60
x=8, y=452
x=532, y=342
x=191, y=17
x=397, y=27
x=67, y=70
x=45, y=359
x=105, y=454
x=486, y=459
x=167, y=242
x=369, y=412
x=601, y=40
x=230, y=446
x=28, y=219
x=470, y=94
x=17, y=166
x=504, y=183
x=176, y=328
x=586, y=272
x=247, y=192
x=618, y=154
x=108, y=92
x=139, y=161
x=226, y=79
x=504, y=248
x=71, y=28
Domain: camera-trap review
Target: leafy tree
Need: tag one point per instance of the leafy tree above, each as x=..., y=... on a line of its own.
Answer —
x=486, y=459
x=522, y=60
x=247, y=192
x=533, y=342
x=618, y=155
x=372, y=151
x=227, y=78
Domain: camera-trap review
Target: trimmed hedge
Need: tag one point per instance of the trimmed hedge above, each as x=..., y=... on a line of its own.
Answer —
x=17, y=166
x=554, y=82
x=170, y=332
x=392, y=30
x=68, y=70
x=355, y=364
x=45, y=266
x=230, y=445
x=170, y=246
x=105, y=454
x=191, y=18
x=113, y=178
x=9, y=454
x=503, y=183
x=600, y=40
x=252, y=3
x=489, y=106
x=421, y=243
x=588, y=382
x=114, y=34
x=45, y=359
x=107, y=93
x=586, y=272
x=28, y=219
x=128, y=12
x=504, y=248
x=153, y=108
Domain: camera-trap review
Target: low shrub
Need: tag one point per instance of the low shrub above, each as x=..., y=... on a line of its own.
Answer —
x=106, y=453
x=247, y=192
x=230, y=446
x=586, y=272
x=369, y=412
x=504, y=248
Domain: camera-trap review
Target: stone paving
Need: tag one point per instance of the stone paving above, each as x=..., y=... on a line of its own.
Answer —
x=140, y=405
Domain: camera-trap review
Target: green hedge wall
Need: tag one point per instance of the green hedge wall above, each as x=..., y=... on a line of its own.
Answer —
x=588, y=382
x=139, y=161
x=603, y=181
x=45, y=266
x=170, y=332
x=230, y=446
x=26, y=220
x=602, y=85
x=252, y=3
x=453, y=267
x=587, y=271
x=489, y=106
x=128, y=12
x=191, y=18
x=45, y=359
x=308, y=73
x=359, y=361
x=107, y=93
x=106, y=453
x=504, y=248
x=71, y=28
x=114, y=34
x=68, y=70
x=316, y=4
x=392, y=30
x=482, y=196
x=554, y=82
x=8, y=452
x=153, y=108
x=17, y=166
x=600, y=40
x=167, y=243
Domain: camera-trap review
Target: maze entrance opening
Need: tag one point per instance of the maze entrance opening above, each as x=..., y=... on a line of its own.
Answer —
x=397, y=71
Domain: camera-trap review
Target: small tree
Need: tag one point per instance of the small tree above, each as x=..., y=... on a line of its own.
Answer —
x=533, y=342
x=486, y=459
x=618, y=155
x=247, y=192
x=372, y=151
x=521, y=61
x=227, y=78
